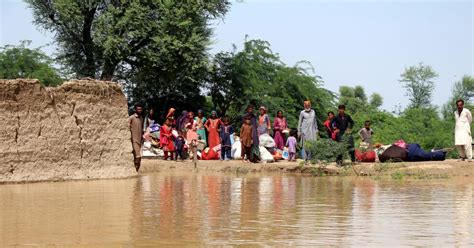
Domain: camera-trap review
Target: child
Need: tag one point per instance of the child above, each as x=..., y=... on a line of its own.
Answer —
x=246, y=139
x=366, y=135
x=291, y=144
x=226, y=145
x=166, y=139
x=179, y=146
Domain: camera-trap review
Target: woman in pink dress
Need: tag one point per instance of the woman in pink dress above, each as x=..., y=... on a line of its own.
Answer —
x=191, y=128
x=279, y=124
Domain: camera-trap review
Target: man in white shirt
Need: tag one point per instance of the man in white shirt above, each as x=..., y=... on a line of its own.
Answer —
x=462, y=132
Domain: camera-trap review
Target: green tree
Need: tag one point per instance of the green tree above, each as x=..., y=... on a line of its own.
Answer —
x=97, y=37
x=354, y=98
x=23, y=62
x=376, y=100
x=257, y=76
x=418, y=81
x=157, y=48
x=463, y=89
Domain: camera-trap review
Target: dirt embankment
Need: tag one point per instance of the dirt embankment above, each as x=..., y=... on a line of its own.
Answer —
x=419, y=170
x=75, y=131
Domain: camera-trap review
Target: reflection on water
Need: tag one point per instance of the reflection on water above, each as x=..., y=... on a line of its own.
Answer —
x=273, y=210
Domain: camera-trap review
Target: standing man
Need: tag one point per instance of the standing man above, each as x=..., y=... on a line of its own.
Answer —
x=462, y=132
x=307, y=128
x=343, y=123
x=135, y=123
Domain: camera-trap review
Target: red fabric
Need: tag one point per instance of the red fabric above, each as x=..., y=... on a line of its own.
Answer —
x=401, y=143
x=329, y=129
x=210, y=155
x=368, y=156
x=277, y=156
x=213, y=129
x=166, y=138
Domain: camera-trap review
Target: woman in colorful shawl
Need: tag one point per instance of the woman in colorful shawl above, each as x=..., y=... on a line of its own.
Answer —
x=255, y=153
x=328, y=124
x=279, y=124
x=201, y=130
x=170, y=115
x=212, y=125
x=263, y=122
x=182, y=121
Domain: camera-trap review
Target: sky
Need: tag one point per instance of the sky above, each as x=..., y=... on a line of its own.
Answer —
x=367, y=43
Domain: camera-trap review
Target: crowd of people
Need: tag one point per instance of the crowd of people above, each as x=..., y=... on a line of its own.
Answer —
x=188, y=135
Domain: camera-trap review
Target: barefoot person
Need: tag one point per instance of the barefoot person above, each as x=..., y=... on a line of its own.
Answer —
x=462, y=135
x=246, y=133
x=307, y=127
x=135, y=123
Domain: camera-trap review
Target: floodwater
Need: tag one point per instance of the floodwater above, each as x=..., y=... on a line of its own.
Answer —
x=264, y=210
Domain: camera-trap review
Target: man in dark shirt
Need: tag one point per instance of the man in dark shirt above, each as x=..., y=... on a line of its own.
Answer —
x=343, y=123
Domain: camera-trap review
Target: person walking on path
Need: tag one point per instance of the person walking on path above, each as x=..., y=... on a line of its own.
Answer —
x=307, y=128
x=462, y=132
x=135, y=123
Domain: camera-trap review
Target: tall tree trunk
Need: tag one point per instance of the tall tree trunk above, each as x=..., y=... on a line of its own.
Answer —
x=89, y=69
x=108, y=70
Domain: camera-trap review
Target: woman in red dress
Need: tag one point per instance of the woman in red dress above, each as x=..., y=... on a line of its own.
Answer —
x=279, y=124
x=166, y=139
x=212, y=125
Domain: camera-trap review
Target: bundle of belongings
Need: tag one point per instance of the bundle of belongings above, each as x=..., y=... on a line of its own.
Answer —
x=210, y=153
x=268, y=151
x=151, y=144
x=367, y=156
x=401, y=151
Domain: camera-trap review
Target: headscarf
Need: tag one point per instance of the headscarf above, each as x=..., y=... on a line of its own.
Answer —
x=213, y=112
x=182, y=120
x=170, y=112
x=264, y=109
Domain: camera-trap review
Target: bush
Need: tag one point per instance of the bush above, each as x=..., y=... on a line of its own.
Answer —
x=326, y=150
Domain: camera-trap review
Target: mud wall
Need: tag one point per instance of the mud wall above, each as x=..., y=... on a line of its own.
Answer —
x=75, y=131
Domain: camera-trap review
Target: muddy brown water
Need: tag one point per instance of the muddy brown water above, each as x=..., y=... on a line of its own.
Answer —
x=268, y=210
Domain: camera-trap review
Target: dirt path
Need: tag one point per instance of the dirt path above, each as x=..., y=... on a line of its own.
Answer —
x=418, y=170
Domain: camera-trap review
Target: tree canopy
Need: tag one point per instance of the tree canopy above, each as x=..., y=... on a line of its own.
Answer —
x=23, y=62
x=418, y=81
x=257, y=76
x=157, y=48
